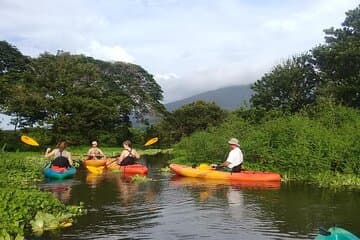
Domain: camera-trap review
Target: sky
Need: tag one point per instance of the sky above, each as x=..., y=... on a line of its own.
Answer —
x=189, y=46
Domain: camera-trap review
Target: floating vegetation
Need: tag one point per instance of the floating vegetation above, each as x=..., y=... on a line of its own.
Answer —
x=23, y=207
x=165, y=169
x=139, y=179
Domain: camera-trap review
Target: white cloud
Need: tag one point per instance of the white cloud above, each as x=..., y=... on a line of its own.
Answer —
x=208, y=44
x=107, y=53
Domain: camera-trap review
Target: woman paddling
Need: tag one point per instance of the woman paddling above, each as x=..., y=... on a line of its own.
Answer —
x=127, y=156
x=62, y=158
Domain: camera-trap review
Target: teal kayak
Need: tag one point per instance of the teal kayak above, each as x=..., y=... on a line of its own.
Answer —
x=335, y=233
x=50, y=173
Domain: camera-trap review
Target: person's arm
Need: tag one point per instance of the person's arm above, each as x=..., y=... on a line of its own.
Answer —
x=113, y=160
x=136, y=154
x=70, y=159
x=228, y=160
x=49, y=153
x=89, y=152
x=101, y=152
x=122, y=156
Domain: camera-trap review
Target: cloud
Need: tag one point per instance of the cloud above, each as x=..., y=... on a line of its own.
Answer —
x=107, y=53
x=190, y=46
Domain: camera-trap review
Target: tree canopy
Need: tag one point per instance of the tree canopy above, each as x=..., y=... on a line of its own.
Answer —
x=330, y=70
x=288, y=87
x=339, y=61
x=78, y=95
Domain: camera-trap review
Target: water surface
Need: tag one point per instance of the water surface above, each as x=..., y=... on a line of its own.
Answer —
x=170, y=207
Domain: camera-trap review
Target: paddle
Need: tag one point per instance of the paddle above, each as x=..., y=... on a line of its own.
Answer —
x=29, y=141
x=96, y=170
x=151, y=141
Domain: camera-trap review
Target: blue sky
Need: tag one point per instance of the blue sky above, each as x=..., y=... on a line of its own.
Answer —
x=190, y=46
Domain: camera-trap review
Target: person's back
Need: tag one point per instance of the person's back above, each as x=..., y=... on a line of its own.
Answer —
x=62, y=158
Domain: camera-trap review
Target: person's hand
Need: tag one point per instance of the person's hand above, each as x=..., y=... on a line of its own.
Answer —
x=48, y=150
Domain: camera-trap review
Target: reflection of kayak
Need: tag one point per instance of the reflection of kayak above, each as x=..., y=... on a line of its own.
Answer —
x=335, y=233
x=94, y=163
x=129, y=169
x=50, y=173
x=190, y=181
x=246, y=176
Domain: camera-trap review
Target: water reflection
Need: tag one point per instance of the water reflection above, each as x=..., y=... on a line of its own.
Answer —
x=188, y=181
x=61, y=189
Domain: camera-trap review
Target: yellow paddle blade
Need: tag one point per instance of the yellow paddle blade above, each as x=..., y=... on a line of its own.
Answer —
x=204, y=166
x=96, y=170
x=28, y=140
x=151, y=141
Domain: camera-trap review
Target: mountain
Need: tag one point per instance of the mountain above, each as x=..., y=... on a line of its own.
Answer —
x=228, y=97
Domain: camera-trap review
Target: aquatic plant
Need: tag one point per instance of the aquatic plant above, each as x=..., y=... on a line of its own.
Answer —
x=139, y=179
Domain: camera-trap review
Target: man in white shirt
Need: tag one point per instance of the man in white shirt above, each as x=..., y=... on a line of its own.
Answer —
x=234, y=159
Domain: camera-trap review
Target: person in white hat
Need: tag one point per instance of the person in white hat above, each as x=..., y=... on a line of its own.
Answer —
x=235, y=158
x=95, y=152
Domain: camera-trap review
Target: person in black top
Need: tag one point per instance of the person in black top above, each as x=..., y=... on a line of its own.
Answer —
x=62, y=158
x=127, y=157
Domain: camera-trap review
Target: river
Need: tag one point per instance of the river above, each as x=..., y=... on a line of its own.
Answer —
x=170, y=207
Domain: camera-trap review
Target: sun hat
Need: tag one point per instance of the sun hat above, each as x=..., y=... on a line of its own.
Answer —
x=93, y=143
x=234, y=141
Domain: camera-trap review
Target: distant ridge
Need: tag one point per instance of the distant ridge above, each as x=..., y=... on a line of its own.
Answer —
x=228, y=97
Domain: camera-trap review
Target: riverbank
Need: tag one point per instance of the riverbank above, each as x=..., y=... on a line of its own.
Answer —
x=24, y=208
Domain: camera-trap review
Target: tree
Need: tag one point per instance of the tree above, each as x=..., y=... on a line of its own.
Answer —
x=189, y=118
x=288, y=87
x=80, y=96
x=339, y=61
x=11, y=59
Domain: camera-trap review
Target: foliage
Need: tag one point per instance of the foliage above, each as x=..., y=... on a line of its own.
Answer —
x=321, y=139
x=339, y=61
x=20, y=200
x=139, y=179
x=78, y=97
x=192, y=117
x=288, y=87
x=11, y=59
x=336, y=180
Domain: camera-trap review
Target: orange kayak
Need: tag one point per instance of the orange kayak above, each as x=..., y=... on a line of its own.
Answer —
x=246, y=176
x=94, y=163
x=129, y=169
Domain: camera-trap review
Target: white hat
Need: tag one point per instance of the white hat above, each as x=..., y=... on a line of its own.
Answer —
x=94, y=143
x=234, y=141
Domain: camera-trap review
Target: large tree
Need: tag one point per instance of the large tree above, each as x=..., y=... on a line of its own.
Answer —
x=339, y=61
x=288, y=87
x=80, y=96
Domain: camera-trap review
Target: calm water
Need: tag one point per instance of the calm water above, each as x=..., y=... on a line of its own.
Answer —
x=169, y=207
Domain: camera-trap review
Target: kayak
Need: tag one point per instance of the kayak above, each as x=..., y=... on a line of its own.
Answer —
x=335, y=233
x=50, y=173
x=129, y=169
x=95, y=163
x=207, y=173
